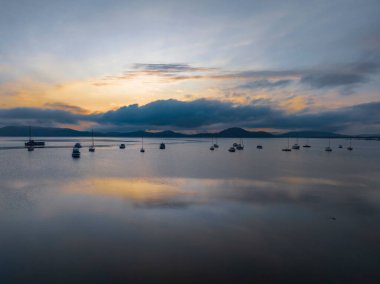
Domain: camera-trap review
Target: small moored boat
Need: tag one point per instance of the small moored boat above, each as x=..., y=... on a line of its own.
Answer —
x=75, y=153
x=287, y=149
x=92, y=147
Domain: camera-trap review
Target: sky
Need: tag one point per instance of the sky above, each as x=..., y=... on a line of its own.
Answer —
x=191, y=65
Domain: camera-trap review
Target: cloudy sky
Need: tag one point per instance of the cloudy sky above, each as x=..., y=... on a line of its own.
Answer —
x=191, y=65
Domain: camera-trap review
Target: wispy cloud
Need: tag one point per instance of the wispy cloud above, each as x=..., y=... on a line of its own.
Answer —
x=346, y=75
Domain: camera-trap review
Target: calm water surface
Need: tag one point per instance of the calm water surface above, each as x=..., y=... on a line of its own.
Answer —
x=189, y=215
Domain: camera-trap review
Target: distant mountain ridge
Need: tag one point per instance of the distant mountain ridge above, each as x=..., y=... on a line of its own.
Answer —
x=234, y=132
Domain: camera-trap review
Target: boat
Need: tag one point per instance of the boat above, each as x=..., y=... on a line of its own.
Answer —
x=240, y=146
x=235, y=144
x=231, y=149
x=306, y=145
x=328, y=148
x=287, y=149
x=77, y=145
x=122, y=146
x=92, y=147
x=340, y=146
x=142, y=150
x=216, y=143
x=296, y=146
x=212, y=144
x=162, y=146
x=349, y=148
x=30, y=148
x=75, y=153
x=259, y=147
x=33, y=143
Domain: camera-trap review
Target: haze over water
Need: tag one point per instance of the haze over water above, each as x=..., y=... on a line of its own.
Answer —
x=190, y=215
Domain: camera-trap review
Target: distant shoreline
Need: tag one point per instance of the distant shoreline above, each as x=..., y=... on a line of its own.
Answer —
x=23, y=131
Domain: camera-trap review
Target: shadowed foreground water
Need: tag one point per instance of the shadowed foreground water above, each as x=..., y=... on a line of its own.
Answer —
x=189, y=215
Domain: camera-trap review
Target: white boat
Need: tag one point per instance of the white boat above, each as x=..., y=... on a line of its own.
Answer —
x=296, y=146
x=75, y=153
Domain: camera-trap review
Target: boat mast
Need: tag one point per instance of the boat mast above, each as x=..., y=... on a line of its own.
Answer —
x=92, y=137
x=30, y=133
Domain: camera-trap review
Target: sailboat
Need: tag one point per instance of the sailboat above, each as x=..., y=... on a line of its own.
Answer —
x=287, y=149
x=296, y=146
x=92, y=147
x=212, y=144
x=349, y=148
x=306, y=145
x=142, y=150
x=32, y=143
x=216, y=143
x=240, y=146
x=328, y=149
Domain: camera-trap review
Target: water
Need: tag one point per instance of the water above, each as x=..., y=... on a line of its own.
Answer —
x=189, y=215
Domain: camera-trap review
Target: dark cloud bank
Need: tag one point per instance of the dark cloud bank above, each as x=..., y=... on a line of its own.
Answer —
x=173, y=114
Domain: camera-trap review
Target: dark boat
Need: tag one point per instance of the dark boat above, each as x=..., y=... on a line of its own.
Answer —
x=92, y=147
x=349, y=148
x=76, y=153
x=122, y=146
x=216, y=143
x=142, y=150
x=162, y=146
x=287, y=149
x=232, y=149
x=328, y=148
x=240, y=146
x=259, y=147
x=77, y=145
x=212, y=144
x=33, y=143
x=306, y=145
